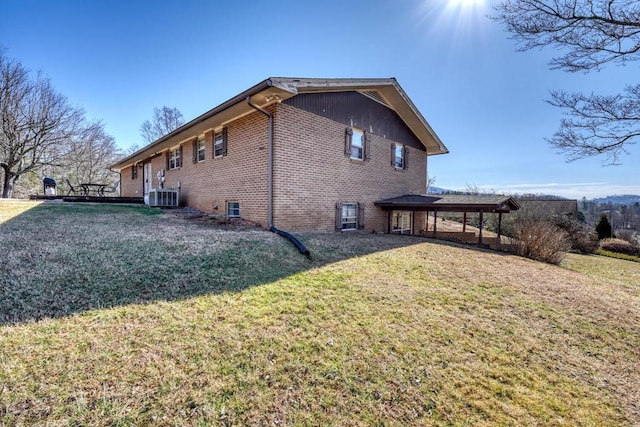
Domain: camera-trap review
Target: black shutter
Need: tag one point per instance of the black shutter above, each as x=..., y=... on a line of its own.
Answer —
x=213, y=145
x=338, y=216
x=194, y=144
x=133, y=171
x=360, y=216
x=367, y=146
x=224, y=141
x=179, y=161
x=167, y=159
x=393, y=154
x=348, y=137
x=405, y=157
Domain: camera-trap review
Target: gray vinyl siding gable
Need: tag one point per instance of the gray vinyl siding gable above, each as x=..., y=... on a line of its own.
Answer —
x=358, y=111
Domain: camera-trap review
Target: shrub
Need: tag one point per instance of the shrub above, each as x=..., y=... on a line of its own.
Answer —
x=604, y=228
x=619, y=246
x=541, y=240
x=580, y=237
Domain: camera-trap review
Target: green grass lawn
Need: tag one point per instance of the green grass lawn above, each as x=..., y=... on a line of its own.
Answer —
x=122, y=315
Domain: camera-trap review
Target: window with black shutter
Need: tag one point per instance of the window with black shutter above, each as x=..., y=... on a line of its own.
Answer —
x=194, y=151
x=348, y=216
x=348, y=136
x=405, y=153
x=357, y=144
x=399, y=156
x=174, y=158
x=199, y=150
x=220, y=143
x=367, y=146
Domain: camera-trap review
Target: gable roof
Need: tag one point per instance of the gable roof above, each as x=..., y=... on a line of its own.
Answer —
x=450, y=203
x=276, y=89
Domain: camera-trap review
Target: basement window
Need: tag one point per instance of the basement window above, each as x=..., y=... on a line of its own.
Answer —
x=349, y=216
x=233, y=209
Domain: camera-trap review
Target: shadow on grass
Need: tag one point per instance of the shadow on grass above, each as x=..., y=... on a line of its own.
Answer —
x=61, y=259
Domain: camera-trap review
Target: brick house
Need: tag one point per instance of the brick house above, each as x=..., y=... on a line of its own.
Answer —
x=298, y=154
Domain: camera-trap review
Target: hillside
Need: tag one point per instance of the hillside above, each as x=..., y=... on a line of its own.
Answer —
x=626, y=199
x=118, y=315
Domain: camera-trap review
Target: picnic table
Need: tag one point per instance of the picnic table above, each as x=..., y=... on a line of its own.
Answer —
x=90, y=187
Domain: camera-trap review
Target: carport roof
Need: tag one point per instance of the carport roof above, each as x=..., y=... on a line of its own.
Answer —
x=450, y=203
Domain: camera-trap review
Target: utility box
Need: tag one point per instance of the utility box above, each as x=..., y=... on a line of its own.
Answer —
x=164, y=197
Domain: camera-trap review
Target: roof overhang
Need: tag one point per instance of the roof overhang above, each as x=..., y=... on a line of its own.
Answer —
x=278, y=89
x=450, y=203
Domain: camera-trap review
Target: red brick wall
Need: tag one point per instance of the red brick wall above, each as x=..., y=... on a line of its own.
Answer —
x=312, y=174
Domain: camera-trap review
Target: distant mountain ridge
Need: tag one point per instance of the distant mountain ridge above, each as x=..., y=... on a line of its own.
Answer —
x=624, y=199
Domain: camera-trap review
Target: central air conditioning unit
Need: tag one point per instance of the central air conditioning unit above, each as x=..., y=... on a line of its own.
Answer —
x=164, y=197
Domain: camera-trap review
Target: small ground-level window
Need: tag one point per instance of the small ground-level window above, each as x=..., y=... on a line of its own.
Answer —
x=401, y=222
x=233, y=209
x=349, y=216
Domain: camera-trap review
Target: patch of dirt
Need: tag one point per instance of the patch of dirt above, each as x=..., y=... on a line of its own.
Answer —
x=221, y=220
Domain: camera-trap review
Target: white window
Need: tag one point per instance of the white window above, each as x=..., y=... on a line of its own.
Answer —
x=175, y=160
x=401, y=222
x=399, y=156
x=349, y=216
x=219, y=144
x=201, y=147
x=233, y=209
x=357, y=145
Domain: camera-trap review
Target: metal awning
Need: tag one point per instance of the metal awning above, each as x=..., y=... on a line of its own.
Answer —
x=450, y=203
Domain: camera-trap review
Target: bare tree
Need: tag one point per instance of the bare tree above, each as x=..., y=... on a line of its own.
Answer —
x=92, y=151
x=589, y=34
x=164, y=121
x=36, y=123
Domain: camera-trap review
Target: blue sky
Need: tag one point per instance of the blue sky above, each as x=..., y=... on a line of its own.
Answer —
x=120, y=59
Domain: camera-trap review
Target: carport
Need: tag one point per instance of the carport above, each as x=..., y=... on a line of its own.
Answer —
x=464, y=204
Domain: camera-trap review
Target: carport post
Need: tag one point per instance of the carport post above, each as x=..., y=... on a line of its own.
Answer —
x=413, y=223
x=481, y=226
x=435, y=224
